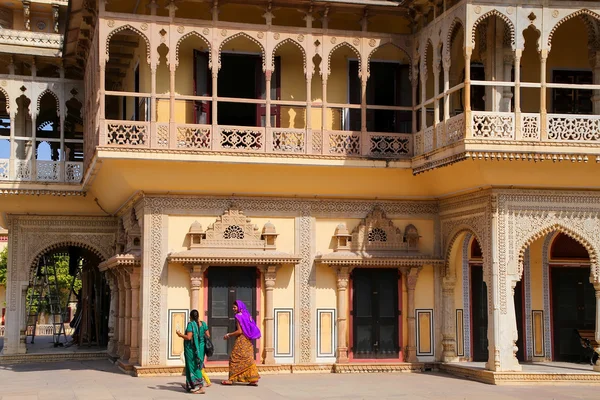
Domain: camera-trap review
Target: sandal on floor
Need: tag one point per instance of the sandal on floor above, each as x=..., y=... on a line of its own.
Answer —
x=253, y=384
x=226, y=383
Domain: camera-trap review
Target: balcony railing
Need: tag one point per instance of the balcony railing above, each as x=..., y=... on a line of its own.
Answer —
x=243, y=139
x=52, y=41
x=45, y=171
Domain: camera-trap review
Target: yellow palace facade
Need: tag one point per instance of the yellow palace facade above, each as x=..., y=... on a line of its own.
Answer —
x=331, y=163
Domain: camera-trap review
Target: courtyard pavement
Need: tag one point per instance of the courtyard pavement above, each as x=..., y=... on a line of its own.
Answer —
x=95, y=380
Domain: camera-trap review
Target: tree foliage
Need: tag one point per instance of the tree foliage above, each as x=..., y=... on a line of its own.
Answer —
x=64, y=280
x=3, y=265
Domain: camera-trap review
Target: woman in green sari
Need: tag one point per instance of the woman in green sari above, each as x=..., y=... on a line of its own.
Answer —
x=193, y=350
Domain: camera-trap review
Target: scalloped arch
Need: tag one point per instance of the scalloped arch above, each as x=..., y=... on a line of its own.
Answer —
x=62, y=243
x=554, y=229
x=454, y=237
x=339, y=46
x=7, y=99
x=48, y=91
x=498, y=14
x=577, y=13
x=382, y=46
x=424, y=61
x=456, y=23
x=124, y=28
x=244, y=35
x=293, y=42
x=199, y=36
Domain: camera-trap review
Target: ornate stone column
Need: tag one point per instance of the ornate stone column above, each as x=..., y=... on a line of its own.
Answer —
x=270, y=274
x=127, y=341
x=411, y=283
x=597, y=333
x=343, y=276
x=114, y=313
x=196, y=276
x=134, y=281
x=121, y=319
x=448, y=332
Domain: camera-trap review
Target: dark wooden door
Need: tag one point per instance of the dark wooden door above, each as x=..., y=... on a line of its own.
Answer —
x=375, y=313
x=479, y=314
x=225, y=286
x=573, y=307
x=202, y=87
x=519, y=317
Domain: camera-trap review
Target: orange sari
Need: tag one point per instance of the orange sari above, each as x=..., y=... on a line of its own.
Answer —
x=242, y=367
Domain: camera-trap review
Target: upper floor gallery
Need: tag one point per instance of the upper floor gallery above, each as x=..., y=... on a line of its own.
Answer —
x=301, y=80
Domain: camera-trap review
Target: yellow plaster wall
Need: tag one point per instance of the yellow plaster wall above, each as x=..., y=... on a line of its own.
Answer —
x=425, y=286
x=178, y=288
x=536, y=271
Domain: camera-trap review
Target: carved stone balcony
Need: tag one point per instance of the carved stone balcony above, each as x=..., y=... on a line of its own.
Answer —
x=508, y=135
x=255, y=140
x=45, y=171
x=34, y=43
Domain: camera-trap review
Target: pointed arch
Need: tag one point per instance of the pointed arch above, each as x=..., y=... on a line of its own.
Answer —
x=124, y=28
x=45, y=92
x=403, y=50
x=494, y=13
x=199, y=36
x=551, y=229
x=454, y=235
x=338, y=46
x=7, y=99
x=424, y=61
x=44, y=248
x=283, y=42
x=452, y=30
x=250, y=38
x=577, y=13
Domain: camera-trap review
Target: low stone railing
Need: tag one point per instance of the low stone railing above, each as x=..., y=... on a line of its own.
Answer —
x=238, y=139
x=44, y=171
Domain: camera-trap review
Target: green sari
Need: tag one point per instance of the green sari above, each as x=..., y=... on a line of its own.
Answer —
x=193, y=351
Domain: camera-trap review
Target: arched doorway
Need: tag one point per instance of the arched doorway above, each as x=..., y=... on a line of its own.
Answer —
x=68, y=299
x=479, y=306
x=572, y=297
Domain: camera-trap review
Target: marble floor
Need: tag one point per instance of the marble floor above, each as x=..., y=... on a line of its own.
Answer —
x=99, y=380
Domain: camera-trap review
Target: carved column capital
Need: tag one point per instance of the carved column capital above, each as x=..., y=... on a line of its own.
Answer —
x=343, y=277
x=412, y=275
x=270, y=274
x=196, y=275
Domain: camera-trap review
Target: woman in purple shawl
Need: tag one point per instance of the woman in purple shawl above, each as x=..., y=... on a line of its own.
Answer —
x=242, y=367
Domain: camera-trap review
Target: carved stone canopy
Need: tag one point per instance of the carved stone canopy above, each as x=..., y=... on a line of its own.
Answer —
x=376, y=233
x=232, y=240
x=131, y=259
x=232, y=230
x=376, y=241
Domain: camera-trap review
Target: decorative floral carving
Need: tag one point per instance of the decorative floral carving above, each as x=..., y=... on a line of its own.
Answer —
x=181, y=29
x=110, y=23
x=372, y=42
x=276, y=36
x=301, y=38
x=144, y=26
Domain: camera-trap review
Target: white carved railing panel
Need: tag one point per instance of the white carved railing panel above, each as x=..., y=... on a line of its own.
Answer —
x=573, y=128
x=48, y=171
x=493, y=125
x=455, y=129
x=4, y=169
x=127, y=133
x=389, y=145
x=418, y=143
x=162, y=135
x=428, y=139
x=530, y=126
x=344, y=143
x=23, y=170
x=73, y=171
x=194, y=136
x=45, y=330
x=289, y=140
x=240, y=138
